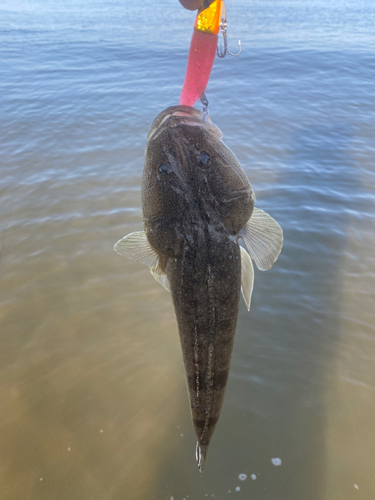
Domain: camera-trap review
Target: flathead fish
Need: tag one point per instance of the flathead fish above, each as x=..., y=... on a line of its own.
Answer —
x=197, y=203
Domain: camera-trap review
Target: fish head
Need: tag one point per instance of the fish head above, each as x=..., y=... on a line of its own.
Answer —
x=189, y=173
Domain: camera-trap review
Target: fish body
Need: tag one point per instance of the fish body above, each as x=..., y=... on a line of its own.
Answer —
x=197, y=202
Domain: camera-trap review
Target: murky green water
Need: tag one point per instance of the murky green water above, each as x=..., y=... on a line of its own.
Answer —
x=93, y=400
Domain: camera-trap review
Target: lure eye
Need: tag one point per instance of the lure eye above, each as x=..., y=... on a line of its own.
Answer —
x=165, y=168
x=204, y=158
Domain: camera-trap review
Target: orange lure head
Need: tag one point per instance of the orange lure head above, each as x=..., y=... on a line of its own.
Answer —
x=208, y=19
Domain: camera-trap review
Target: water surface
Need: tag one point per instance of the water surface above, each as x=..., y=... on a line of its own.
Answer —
x=93, y=399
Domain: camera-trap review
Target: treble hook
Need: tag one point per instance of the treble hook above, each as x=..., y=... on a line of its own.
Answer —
x=222, y=52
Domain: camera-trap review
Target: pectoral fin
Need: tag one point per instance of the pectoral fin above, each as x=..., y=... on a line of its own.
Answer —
x=263, y=238
x=247, y=277
x=135, y=246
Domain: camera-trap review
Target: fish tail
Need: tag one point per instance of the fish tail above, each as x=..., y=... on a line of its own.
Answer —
x=201, y=453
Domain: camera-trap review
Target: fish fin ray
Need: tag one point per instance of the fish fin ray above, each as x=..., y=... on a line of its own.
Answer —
x=160, y=277
x=135, y=246
x=263, y=238
x=247, y=277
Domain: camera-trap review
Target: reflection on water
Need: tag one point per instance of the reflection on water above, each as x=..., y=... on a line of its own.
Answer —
x=93, y=398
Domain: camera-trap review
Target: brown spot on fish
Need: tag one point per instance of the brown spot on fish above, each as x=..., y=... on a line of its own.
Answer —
x=219, y=380
x=200, y=424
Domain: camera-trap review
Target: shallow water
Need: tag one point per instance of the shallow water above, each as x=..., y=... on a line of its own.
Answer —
x=93, y=398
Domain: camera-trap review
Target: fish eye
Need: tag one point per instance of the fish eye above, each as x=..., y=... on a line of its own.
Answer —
x=204, y=157
x=165, y=168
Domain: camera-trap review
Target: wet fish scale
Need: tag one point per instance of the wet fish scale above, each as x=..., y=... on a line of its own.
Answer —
x=196, y=203
x=206, y=303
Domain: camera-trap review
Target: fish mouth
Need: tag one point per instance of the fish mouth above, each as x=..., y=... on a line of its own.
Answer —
x=175, y=115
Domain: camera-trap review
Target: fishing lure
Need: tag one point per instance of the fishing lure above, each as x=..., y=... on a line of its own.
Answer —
x=211, y=18
x=196, y=204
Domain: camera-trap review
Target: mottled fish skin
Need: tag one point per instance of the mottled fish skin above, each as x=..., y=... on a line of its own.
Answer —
x=195, y=200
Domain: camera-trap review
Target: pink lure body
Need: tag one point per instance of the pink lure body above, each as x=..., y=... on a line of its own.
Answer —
x=201, y=58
